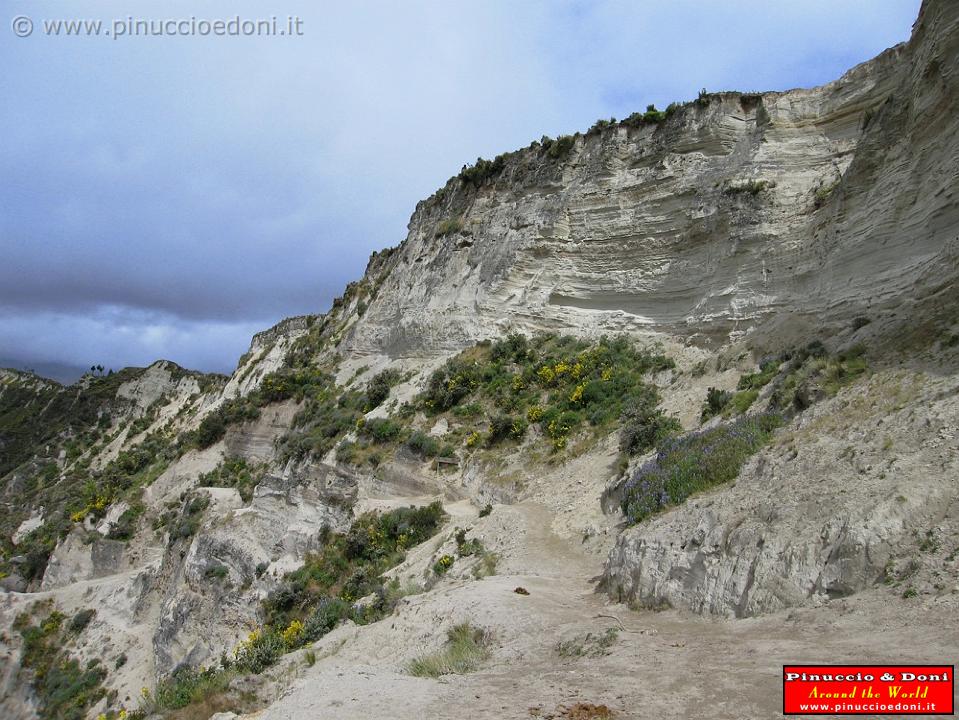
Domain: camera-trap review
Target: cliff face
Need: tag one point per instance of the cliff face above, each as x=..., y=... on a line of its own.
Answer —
x=824, y=204
x=728, y=228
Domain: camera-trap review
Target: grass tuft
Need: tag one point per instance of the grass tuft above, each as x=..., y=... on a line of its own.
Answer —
x=466, y=648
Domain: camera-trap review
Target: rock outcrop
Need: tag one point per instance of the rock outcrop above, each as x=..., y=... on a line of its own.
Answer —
x=212, y=587
x=824, y=513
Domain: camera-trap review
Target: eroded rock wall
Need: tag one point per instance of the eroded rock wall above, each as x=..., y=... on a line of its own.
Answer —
x=826, y=203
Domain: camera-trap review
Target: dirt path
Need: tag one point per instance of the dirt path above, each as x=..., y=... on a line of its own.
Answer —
x=662, y=665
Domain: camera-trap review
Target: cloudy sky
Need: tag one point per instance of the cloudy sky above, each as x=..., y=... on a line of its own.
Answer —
x=170, y=196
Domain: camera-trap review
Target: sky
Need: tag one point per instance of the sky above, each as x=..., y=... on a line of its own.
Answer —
x=169, y=196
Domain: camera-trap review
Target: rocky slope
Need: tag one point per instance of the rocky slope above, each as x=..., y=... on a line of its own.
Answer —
x=723, y=234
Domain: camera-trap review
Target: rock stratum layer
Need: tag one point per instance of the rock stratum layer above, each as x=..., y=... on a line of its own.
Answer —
x=657, y=227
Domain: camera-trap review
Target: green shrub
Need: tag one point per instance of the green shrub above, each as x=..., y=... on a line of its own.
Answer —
x=652, y=116
x=326, y=615
x=190, y=517
x=449, y=226
x=443, y=564
x=450, y=384
x=287, y=383
x=558, y=148
x=812, y=373
x=125, y=526
x=470, y=410
x=64, y=689
x=185, y=686
x=235, y=472
x=381, y=430
x=259, y=651
x=755, y=381
x=695, y=462
x=514, y=347
x=317, y=430
x=502, y=427
x=750, y=187
x=716, y=402
x=80, y=621
x=347, y=452
x=483, y=170
x=742, y=401
x=211, y=430
x=601, y=125
x=466, y=648
x=467, y=547
x=643, y=424
x=823, y=193
x=427, y=446
x=378, y=388
x=216, y=572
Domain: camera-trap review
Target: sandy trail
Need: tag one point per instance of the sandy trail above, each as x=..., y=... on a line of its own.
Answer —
x=664, y=664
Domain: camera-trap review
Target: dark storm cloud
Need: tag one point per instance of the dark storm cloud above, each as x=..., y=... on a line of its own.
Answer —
x=166, y=197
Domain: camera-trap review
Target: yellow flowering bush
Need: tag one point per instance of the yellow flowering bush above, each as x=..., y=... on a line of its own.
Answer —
x=292, y=634
x=443, y=564
x=562, y=384
x=546, y=375
x=245, y=645
x=577, y=394
x=556, y=429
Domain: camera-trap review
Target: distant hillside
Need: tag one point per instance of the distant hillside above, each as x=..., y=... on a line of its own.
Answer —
x=61, y=372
